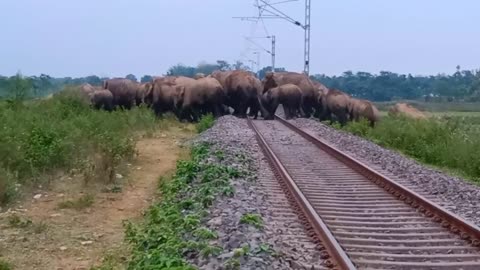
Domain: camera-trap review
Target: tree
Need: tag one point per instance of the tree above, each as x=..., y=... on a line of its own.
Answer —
x=95, y=80
x=20, y=88
x=240, y=65
x=131, y=77
x=223, y=65
x=264, y=70
x=146, y=78
x=181, y=70
x=206, y=68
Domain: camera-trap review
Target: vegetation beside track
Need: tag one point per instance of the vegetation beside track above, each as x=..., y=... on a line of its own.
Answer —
x=451, y=143
x=40, y=138
x=172, y=229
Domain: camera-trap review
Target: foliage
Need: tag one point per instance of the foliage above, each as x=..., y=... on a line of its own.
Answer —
x=63, y=133
x=16, y=221
x=4, y=265
x=252, y=219
x=206, y=122
x=172, y=228
x=146, y=78
x=131, y=77
x=448, y=142
x=205, y=68
x=386, y=86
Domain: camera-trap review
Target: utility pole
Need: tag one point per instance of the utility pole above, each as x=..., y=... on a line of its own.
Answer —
x=273, y=53
x=258, y=60
x=274, y=13
x=308, y=9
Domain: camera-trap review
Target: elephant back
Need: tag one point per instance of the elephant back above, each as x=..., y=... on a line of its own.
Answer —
x=123, y=90
x=299, y=79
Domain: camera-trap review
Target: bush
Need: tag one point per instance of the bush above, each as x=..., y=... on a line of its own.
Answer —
x=63, y=133
x=205, y=123
x=452, y=143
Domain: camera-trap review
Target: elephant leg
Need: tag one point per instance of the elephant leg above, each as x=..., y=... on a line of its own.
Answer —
x=242, y=110
x=342, y=118
x=308, y=110
x=217, y=110
x=288, y=112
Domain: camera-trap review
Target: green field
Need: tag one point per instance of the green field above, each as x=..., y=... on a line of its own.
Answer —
x=450, y=141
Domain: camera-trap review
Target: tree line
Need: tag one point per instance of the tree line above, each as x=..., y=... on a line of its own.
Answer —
x=462, y=85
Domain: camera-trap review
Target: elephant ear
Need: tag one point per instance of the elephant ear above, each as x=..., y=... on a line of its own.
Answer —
x=180, y=91
x=180, y=94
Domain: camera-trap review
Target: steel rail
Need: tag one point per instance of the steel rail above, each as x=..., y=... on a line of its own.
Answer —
x=456, y=224
x=339, y=258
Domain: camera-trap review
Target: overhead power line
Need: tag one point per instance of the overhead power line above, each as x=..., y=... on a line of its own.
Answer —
x=267, y=10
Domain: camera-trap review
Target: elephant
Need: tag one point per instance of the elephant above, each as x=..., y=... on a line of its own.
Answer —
x=221, y=76
x=102, y=99
x=336, y=103
x=199, y=75
x=200, y=96
x=87, y=88
x=309, y=102
x=320, y=90
x=124, y=91
x=289, y=95
x=141, y=92
x=241, y=88
x=187, y=97
x=163, y=95
x=257, y=106
x=361, y=108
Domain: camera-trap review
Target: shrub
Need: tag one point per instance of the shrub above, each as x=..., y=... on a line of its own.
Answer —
x=205, y=123
x=4, y=265
x=40, y=137
x=452, y=143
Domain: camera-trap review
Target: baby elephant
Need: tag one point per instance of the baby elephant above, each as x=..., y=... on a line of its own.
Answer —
x=102, y=99
x=289, y=95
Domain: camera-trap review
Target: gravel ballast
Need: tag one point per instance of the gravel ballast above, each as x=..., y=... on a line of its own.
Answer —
x=279, y=243
x=453, y=193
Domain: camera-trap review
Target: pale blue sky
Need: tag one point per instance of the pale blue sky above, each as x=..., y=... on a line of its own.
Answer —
x=117, y=37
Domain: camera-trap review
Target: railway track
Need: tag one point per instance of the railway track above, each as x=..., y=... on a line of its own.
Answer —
x=360, y=218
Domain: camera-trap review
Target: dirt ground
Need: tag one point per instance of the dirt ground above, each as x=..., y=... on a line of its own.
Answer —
x=46, y=237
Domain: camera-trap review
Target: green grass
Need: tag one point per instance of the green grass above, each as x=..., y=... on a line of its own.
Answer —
x=42, y=137
x=4, y=265
x=172, y=228
x=205, y=123
x=252, y=219
x=452, y=143
x=16, y=221
x=83, y=202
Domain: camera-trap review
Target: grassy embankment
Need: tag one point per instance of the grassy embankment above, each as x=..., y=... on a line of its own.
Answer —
x=42, y=138
x=449, y=142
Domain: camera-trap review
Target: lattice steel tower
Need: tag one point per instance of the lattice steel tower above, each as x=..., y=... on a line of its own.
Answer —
x=306, y=68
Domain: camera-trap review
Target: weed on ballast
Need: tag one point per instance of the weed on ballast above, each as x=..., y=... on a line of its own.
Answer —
x=172, y=229
x=252, y=219
x=232, y=264
x=205, y=123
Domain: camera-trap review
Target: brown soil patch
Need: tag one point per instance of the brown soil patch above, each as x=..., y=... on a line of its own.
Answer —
x=79, y=239
x=407, y=110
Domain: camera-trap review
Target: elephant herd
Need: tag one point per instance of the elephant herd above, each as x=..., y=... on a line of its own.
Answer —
x=236, y=92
